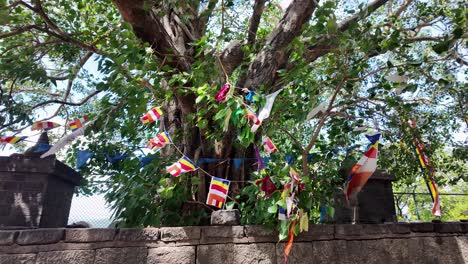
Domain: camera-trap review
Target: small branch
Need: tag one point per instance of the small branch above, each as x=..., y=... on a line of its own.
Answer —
x=298, y=143
x=258, y=8
x=86, y=99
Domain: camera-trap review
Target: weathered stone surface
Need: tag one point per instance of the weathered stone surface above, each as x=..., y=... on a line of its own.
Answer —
x=66, y=257
x=385, y=251
x=462, y=242
x=313, y=252
x=440, y=250
x=257, y=233
x=138, y=234
x=7, y=237
x=222, y=234
x=180, y=233
x=422, y=227
x=317, y=232
x=40, y=236
x=262, y=253
x=464, y=227
x=89, y=234
x=18, y=259
x=400, y=228
x=225, y=217
x=453, y=227
x=128, y=255
x=179, y=255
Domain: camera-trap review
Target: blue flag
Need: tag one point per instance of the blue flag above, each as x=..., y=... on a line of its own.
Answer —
x=116, y=158
x=145, y=161
x=82, y=156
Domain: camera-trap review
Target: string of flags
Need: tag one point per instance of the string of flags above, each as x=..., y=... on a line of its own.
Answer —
x=357, y=178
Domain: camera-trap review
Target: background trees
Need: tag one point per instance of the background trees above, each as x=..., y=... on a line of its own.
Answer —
x=372, y=64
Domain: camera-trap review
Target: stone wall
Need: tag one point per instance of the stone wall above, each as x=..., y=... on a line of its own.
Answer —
x=386, y=243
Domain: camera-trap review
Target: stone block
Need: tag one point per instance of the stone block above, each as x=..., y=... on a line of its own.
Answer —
x=66, y=257
x=259, y=231
x=40, y=236
x=225, y=217
x=422, y=227
x=7, y=237
x=440, y=250
x=164, y=255
x=462, y=242
x=400, y=228
x=375, y=229
x=176, y=234
x=222, y=234
x=127, y=255
x=317, y=232
x=348, y=231
x=451, y=227
x=385, y=251
x=137, y=234
x=464, y=227
x=89, y=234
x=261, y=253
x=18, y=259
x=313, y=252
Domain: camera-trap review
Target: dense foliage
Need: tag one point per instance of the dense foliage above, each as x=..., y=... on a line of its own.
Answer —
x=376, y=65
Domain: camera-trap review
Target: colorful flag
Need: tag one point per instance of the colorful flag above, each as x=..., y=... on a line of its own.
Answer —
x=264, y=113
x=181, y=166
x=424, y=163
x=251, y=116
x=11, y=139
x=77, y=123
x=158, y=142
x=222, y=93
x=266, y=185
x=364, y=168
x=44, y=125
x=268, y=146
x=152, y=115
x=294, y=175
x=218, y=192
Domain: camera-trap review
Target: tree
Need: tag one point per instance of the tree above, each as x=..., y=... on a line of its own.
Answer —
x=374, y=64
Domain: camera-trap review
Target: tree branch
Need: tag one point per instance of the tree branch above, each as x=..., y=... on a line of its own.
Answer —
x=86, y=99
x=264, y=68
x=323, y=47
x=258, y=7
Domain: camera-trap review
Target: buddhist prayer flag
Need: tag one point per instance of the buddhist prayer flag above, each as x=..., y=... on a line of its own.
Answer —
x=223, y=92
x=44, y=125
x=251, y=116
x=264, y=113
x=268, y=146
x=424, y=164
x=158, y=142
x=181, y=166
x=77, y=123
x=218, y=192
x=364, y=168
x=11, y=139
x=152, y=115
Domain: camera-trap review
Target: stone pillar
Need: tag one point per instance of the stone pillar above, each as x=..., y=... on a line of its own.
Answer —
x=375, y=203
x=35, y=192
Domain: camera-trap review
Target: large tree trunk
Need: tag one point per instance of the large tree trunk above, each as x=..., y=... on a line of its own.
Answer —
x=171, y=38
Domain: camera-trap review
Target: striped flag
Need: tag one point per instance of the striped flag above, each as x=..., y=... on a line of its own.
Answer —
x=181, y=166
x=364, y=168
x=77, y=123
x=44, y=125
x=218, y=192
x=152, y=115
x=268, y=146
x=251, y=116
x=158, y=142
x=11, y=140
x=424, y=163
